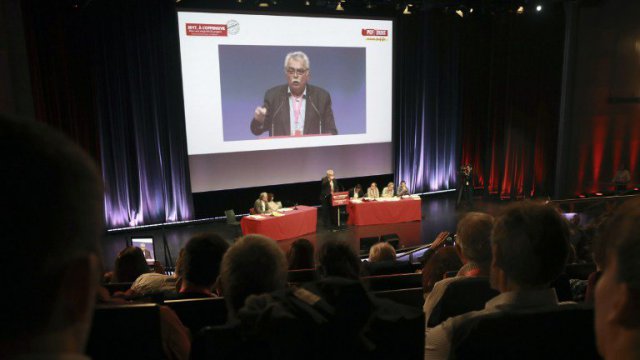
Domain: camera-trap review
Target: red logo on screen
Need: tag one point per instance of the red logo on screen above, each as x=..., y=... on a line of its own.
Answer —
x=375, y=32
x=206, y=29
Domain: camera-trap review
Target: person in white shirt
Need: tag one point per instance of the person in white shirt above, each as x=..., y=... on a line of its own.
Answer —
x=387, y=192
x=525, y=260
x=373, y=191
x=261, y=206
x=273, y=205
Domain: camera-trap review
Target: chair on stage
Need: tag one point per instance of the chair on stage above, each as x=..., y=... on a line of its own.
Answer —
x=232, y=222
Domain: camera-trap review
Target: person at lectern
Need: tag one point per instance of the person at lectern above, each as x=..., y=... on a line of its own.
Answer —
x=296, y=108
x=328, y=186
x=387, y=192
x=261, y=206
x=372, y=191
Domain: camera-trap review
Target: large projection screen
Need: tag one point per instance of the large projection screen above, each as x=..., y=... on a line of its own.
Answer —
x=233, y=64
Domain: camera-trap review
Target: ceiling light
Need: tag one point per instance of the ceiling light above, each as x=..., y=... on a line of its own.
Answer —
x=406, y=11
x=460, y=13
x=520, y=10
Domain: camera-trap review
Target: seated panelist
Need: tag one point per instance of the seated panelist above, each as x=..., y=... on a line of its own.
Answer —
x=356, y=192
x=387, y=192
x=373, y=191
x=261, y=205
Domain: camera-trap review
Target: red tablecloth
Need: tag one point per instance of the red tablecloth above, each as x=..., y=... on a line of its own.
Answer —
x=384, y=212
x=292, y=224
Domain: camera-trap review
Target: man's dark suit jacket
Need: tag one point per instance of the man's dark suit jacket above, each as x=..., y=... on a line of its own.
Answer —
x=353, y=190
x=318, y=111
x=325, y=188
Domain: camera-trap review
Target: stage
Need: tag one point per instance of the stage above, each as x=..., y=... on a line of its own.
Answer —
x=439, y=213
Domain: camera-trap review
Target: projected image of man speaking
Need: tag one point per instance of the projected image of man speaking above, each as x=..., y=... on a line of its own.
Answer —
x=296, y=108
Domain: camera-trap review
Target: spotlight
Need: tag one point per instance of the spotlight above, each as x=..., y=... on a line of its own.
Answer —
x=460, y=13
x=307, y=3
x=406, y=11
x=598, y=194
x=520, y=10
x=263, y=4
x=539, y=8
x=339, y=7
x=471, y=11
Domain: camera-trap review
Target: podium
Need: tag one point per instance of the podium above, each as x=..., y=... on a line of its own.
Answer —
x=339, y=199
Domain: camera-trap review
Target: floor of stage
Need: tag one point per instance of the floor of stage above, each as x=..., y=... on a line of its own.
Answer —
x=439, y=213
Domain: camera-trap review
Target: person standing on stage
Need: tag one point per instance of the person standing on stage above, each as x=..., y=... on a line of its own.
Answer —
x=466, y=189
x=328, y=186
x=621, y=179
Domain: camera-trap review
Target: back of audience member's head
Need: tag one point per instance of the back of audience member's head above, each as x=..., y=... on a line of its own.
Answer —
x=300, y=255
x=617, y=294
x=337, y=258
x=253, y=265
x=530, y=244
x=53, y=198
x=130, y=264
x=474, y=237
x=202, y=257
x=444, y=260
x=382, y=251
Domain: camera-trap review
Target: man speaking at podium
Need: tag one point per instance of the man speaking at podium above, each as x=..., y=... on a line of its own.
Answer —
x=328, y=186
x=297, y=108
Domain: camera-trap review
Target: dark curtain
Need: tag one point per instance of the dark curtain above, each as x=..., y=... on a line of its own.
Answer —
x=511, y=68
x=59, y=71
x=138, y=86
x=427, y=100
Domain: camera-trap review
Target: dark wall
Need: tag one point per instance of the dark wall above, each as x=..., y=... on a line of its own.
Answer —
x=603, y=126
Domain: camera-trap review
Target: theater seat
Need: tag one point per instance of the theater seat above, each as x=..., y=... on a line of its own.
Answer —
x=413, y=297
x=125, y=332
x=461, y=296
x=393, y=282
x=560, y=333
x=198, y=313
x=301, y=276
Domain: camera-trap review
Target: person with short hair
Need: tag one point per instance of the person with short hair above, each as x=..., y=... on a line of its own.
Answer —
x=617, y=294
x=382, y=251
x=296, y=108
x=201, y=265
x=261, y=206
x=473, y=246
x=356, y=192
x=129, y=265
x=403, y=190
x=253, y=265
x=337, y=259
x=530, y=247
x=388, y=191
x=300, y=255
x=51, y=235
x=373, y=192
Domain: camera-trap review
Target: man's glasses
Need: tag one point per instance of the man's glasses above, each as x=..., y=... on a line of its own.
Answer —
x=298, y=72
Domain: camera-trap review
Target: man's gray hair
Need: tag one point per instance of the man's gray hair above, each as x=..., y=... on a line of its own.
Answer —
x=297, y=55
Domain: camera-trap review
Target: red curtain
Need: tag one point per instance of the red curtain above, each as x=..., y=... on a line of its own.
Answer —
x=511, y=71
